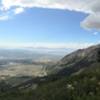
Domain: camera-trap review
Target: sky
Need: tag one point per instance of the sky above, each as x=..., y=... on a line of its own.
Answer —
x=49, y=23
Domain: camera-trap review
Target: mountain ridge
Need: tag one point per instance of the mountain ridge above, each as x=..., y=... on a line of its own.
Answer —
x=78, y=60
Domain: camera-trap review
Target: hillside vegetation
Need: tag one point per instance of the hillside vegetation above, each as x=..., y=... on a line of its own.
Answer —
x=84, y=86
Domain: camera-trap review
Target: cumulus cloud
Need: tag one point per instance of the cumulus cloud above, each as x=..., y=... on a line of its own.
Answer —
x=92, y=21
x=90, y=7
x=76, y=5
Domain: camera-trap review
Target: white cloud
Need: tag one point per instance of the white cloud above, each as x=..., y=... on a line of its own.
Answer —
x=92, y=21
x=91, y=7
x=18, y=10
x=76, y=5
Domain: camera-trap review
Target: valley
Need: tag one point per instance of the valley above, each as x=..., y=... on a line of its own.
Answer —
x=74, y=77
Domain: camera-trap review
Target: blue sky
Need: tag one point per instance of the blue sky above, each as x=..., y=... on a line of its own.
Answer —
x=45, y=26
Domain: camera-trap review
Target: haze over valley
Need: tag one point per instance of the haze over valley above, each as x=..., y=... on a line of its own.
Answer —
x=31, y=62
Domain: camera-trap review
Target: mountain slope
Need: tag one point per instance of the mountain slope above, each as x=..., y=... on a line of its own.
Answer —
x=78, y=60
